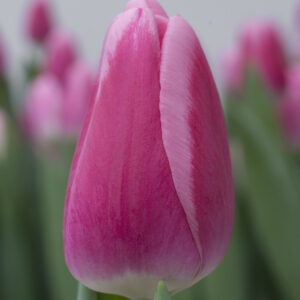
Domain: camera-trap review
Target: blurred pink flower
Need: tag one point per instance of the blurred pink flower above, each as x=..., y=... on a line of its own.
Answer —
x=3, y=132
x=78, y=88
x=60, y=53
x=2, y=57
x=38, y=20
x=150, y=195
x=233, y=68
x=42, y=109
x=262, y=47
x=290, y=107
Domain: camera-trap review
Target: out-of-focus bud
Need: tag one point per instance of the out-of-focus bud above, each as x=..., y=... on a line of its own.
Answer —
x=60, y=53
x=150, y=195
x=3, y=133
x=78, y=88
x=233, y=69
x=290, y=107
x=42, y=109
x=38, y=20
x=262, y=47
x=2, y=57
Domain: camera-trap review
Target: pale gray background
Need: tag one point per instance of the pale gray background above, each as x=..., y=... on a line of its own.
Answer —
x=215, y=21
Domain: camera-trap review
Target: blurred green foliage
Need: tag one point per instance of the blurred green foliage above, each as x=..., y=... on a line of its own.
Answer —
x=263, y=258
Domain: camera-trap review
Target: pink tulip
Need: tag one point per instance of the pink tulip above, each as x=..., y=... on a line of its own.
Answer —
x=2, y=57
x=3, y=133
x=79, y=82
x=263, y=48
x=150, y=194
x=43, y=109
x=233, y=69
x=60, y=53
x=290, y=107
x=39, y=20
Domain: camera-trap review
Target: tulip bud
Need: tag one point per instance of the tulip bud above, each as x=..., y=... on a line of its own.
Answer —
x=290, y=107
x=79, y=82
x=43, y=109
x=263, y=48
x=233, y=69
x=150, y=195
x=2, y=57
x=3, y=133
x=39, y=20
x=60, y=53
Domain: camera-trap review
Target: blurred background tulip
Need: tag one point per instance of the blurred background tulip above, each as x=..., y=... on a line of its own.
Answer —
x=60, y=53
x=2, y=57
x=78, y=90
x=43, y=108
x=262, y=46
x=49, y=54
x=290, y=107
x=38, y=20
x=233, y=68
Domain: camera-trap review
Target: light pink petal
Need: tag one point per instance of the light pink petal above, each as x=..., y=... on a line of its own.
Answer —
x=123, y=218
x=42, y=110
x=149, y=4
x=195, y=140
x=233, y=67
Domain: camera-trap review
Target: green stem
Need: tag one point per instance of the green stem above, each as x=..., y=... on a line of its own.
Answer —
x=162, y=292
x=86, y=294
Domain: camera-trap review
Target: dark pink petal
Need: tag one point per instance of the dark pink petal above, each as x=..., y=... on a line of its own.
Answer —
x=196, y=144
x=262, y=45
x=125, y=228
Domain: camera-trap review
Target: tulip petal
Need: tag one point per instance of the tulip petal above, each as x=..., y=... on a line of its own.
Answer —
x=125, y=228
x=153, y=5
x=195, y=141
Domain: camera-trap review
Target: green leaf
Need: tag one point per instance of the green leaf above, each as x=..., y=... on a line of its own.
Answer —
x=53, y=172
x=162, y=292
x=32, y=70
x=196, y=292
x=20, y=233
x=274, y=203
x=231, y=279
x=5, y=96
